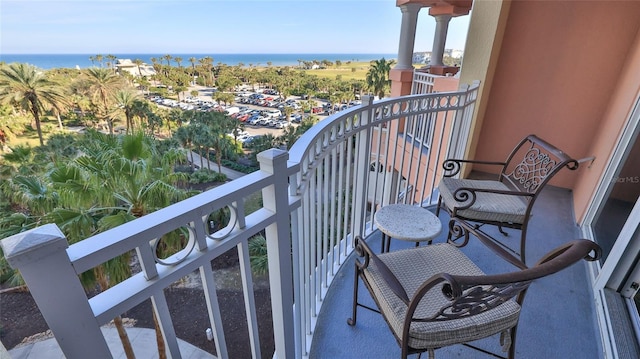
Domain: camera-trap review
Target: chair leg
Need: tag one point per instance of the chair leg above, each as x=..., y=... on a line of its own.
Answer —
x=512, y=348
x=386, y=243
x=523, y=244
x=352, y=321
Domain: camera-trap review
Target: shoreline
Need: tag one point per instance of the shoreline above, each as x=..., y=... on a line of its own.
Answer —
x=53, y=61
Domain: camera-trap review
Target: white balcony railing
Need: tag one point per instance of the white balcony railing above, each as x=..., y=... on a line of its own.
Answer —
x=422, y=82
x=316, y=199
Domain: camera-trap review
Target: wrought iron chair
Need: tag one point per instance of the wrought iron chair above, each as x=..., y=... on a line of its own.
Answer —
x=435, y=296
x=507, y=201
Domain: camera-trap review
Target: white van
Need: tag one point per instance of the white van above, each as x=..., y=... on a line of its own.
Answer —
x=232, y=110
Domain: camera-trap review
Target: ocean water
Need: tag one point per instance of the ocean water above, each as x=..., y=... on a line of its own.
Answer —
x=50, y=61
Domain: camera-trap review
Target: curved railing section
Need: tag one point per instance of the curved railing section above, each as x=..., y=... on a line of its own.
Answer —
x=349, y=165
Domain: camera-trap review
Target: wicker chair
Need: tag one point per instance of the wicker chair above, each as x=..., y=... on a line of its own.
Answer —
x=435, y=296
x=507, y=201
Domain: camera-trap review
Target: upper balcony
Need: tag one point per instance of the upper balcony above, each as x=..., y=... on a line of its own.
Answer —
x=316, y=198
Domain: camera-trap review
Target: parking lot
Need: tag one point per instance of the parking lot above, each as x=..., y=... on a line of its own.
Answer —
x=260, y=115
x=205, y=94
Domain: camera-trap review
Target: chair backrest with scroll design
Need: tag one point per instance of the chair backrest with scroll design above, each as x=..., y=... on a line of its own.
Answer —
x=532, y=163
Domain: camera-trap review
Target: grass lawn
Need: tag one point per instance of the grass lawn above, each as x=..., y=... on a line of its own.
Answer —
x=347, y=71
x=29, y=137
x=351, y=71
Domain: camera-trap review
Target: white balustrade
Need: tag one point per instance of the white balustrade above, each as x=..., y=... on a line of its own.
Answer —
x=422, y=82
x=335, y=178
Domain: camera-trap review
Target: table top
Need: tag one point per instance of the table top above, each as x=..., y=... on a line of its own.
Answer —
x=408, y=222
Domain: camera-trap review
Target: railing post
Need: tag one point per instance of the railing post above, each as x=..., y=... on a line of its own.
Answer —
x=460, y=131
x=361, y=169
x=276, y=199
x=41, y=257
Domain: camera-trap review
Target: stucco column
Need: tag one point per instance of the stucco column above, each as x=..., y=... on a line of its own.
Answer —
x=439, y=39
x=407, y=36
x=401, y=75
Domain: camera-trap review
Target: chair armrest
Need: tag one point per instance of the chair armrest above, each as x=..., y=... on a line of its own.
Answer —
x=468, y=195
x=471, y=295
x=363, y=250
x=553, y=262
x=452, y=166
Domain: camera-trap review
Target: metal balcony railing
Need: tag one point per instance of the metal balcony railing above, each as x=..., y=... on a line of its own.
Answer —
x=316, y=197
x=422, y=82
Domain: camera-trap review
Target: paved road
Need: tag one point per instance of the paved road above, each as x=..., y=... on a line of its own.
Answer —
x=231, y=174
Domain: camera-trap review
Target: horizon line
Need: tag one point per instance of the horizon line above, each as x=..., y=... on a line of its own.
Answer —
x=213, y=53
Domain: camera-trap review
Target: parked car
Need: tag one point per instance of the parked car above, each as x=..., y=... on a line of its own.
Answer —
x=297, y=118
x=255, y=120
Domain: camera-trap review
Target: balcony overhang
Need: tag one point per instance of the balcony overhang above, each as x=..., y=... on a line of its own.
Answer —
x=442, y=7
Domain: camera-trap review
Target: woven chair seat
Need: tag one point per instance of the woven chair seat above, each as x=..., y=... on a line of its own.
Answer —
x=412, y=267
x=489, y=207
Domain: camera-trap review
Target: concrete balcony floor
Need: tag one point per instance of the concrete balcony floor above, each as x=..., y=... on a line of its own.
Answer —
x=557, y=320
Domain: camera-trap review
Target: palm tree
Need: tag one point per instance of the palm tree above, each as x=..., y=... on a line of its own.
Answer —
x=102, y=85
x=289, y=136
x=178, y=61
x=112, y=61
x=168, y=58
x=207, y=65
x=378, y=76
x=142, y=110
x=287, y=112
x=185, y=136
x=27, y=87
x=220, y=125
x=126, y=102
x=138, y=63
x=115, y=181
x=99, y=58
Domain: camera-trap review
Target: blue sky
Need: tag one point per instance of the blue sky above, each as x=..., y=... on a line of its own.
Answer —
x=212, y=26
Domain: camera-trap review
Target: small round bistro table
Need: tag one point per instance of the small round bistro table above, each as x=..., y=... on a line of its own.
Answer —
x=406, y=222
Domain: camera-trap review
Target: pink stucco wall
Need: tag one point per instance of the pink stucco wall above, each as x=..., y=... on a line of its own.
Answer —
x=559, y=68
x=620, y=106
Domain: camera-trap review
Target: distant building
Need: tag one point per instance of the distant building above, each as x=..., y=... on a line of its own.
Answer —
x=421, y=57
x=130, y=67
x=456, y=54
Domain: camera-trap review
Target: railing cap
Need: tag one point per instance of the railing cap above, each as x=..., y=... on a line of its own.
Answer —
x=272, y=158
x=33, y=245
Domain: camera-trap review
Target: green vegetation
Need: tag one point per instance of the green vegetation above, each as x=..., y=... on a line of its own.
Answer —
x=24, y=86
x=127, y=157
x=205, y=175
x=88, y=184
x=378, y=76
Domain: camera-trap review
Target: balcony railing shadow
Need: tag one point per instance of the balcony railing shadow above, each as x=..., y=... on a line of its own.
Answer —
x=557, y=320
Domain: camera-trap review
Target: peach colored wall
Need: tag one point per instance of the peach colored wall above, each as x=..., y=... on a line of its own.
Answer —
x=401, y=81
x=481, y=52
x=602, y=145
x=559, y=63
x=441, y=84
